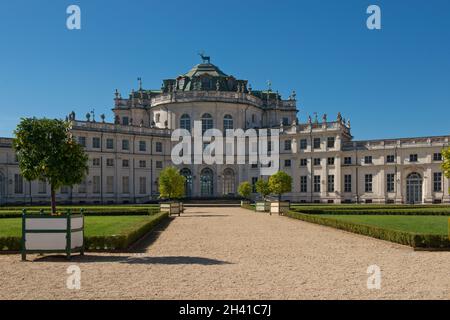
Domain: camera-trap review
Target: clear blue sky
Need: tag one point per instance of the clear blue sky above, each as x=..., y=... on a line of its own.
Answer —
x=390, y=83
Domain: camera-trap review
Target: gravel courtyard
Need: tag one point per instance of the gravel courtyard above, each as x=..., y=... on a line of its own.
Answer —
x=232, y=253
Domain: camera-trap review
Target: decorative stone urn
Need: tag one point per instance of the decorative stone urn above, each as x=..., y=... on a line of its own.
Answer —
x=45, y=233
x=171, y=207
x=280, y=207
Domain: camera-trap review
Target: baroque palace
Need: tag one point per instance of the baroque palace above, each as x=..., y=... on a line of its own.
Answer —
x=326, y=164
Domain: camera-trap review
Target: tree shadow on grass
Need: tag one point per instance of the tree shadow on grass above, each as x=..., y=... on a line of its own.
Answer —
x=133, y=259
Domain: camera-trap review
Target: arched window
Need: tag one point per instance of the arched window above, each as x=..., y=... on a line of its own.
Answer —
x=228, y=182
x=227, y=122
x=188, y=185
x=206, y=183
x=185, y=122
x=207, y=122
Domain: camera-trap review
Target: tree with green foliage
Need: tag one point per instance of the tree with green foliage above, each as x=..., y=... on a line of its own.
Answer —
x=171, y=184
x=280, y=183
x=446, y=162
x=263, y=188
x=47, y=152
x=245, y=190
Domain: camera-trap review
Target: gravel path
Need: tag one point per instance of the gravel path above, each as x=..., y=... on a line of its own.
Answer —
x=231, y=253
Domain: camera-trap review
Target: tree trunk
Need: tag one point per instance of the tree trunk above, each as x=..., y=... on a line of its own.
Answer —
x=53, y=200
x=279, y=197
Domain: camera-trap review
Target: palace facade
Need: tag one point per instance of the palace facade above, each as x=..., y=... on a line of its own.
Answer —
x=326, y=164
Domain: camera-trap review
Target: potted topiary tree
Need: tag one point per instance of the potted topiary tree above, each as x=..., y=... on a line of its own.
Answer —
x=262, y=187
x=47, y=152
x=171, y=188
x=245, y=190
x=280, y=183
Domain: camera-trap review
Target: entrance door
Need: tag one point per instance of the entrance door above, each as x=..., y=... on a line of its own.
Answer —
x=414, y=188
x=206, y=183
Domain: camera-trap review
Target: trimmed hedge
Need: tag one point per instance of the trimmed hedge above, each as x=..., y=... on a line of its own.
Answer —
x=97, y=211
x=248, y=207
x=98, y=243
x=378, y=211
x=405, y=238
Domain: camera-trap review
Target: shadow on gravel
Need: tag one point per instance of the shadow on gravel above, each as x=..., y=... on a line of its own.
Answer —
x=136, y=259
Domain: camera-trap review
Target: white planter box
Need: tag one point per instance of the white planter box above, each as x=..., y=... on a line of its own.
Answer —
x=52, y=234
x=262, y=206
x=171, y=207
x=280, y=207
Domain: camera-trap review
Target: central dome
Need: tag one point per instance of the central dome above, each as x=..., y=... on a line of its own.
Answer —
x=205, y=68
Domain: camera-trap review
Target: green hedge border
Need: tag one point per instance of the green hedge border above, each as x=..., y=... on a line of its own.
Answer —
x=380, y=211
x=97, y=243
x=410, y=239
x=4, y=214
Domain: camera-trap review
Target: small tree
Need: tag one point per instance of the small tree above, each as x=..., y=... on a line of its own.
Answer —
x=47, y=152
x=262, y=187
x=446, y=162
x=171, y=184
x=280, y=183
x=245, y=189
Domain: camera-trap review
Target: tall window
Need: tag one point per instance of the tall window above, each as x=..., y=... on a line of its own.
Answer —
x=348, y=183
x=330, y=142
x=316, y=183
x=437, y=157
x=348, y=160
x=125, y=145
x=159, y=146
x=303, y=162
x=390, y=158
x=125, y=184
x=316, y=143
x=207, y=122
x=96, y=184
x=109, y=144
x=413, y=158
x=287, y=145
x=368, y=159
x=330, y=185
x=303, y=144
x=125, y=121
x=330, y=161
x=368, y=179
x=82, y=141
x=390, y=182
x=110, y=184
x=82, y=187
x=437, y=181
x=96, y=162
x=18, y=183
x=227, y=122
x=303, y=184
x=96, y=142
x=185, y=122
x=142, y=146
x=42, y=187
x=142, y=185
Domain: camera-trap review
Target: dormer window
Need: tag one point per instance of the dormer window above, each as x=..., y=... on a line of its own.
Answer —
x=157, y=118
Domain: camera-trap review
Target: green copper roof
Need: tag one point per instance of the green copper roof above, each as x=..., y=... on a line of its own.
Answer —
x=205, y=68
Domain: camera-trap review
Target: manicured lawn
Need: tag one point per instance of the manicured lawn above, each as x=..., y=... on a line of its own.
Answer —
x=95, y=226
x=435, y=225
